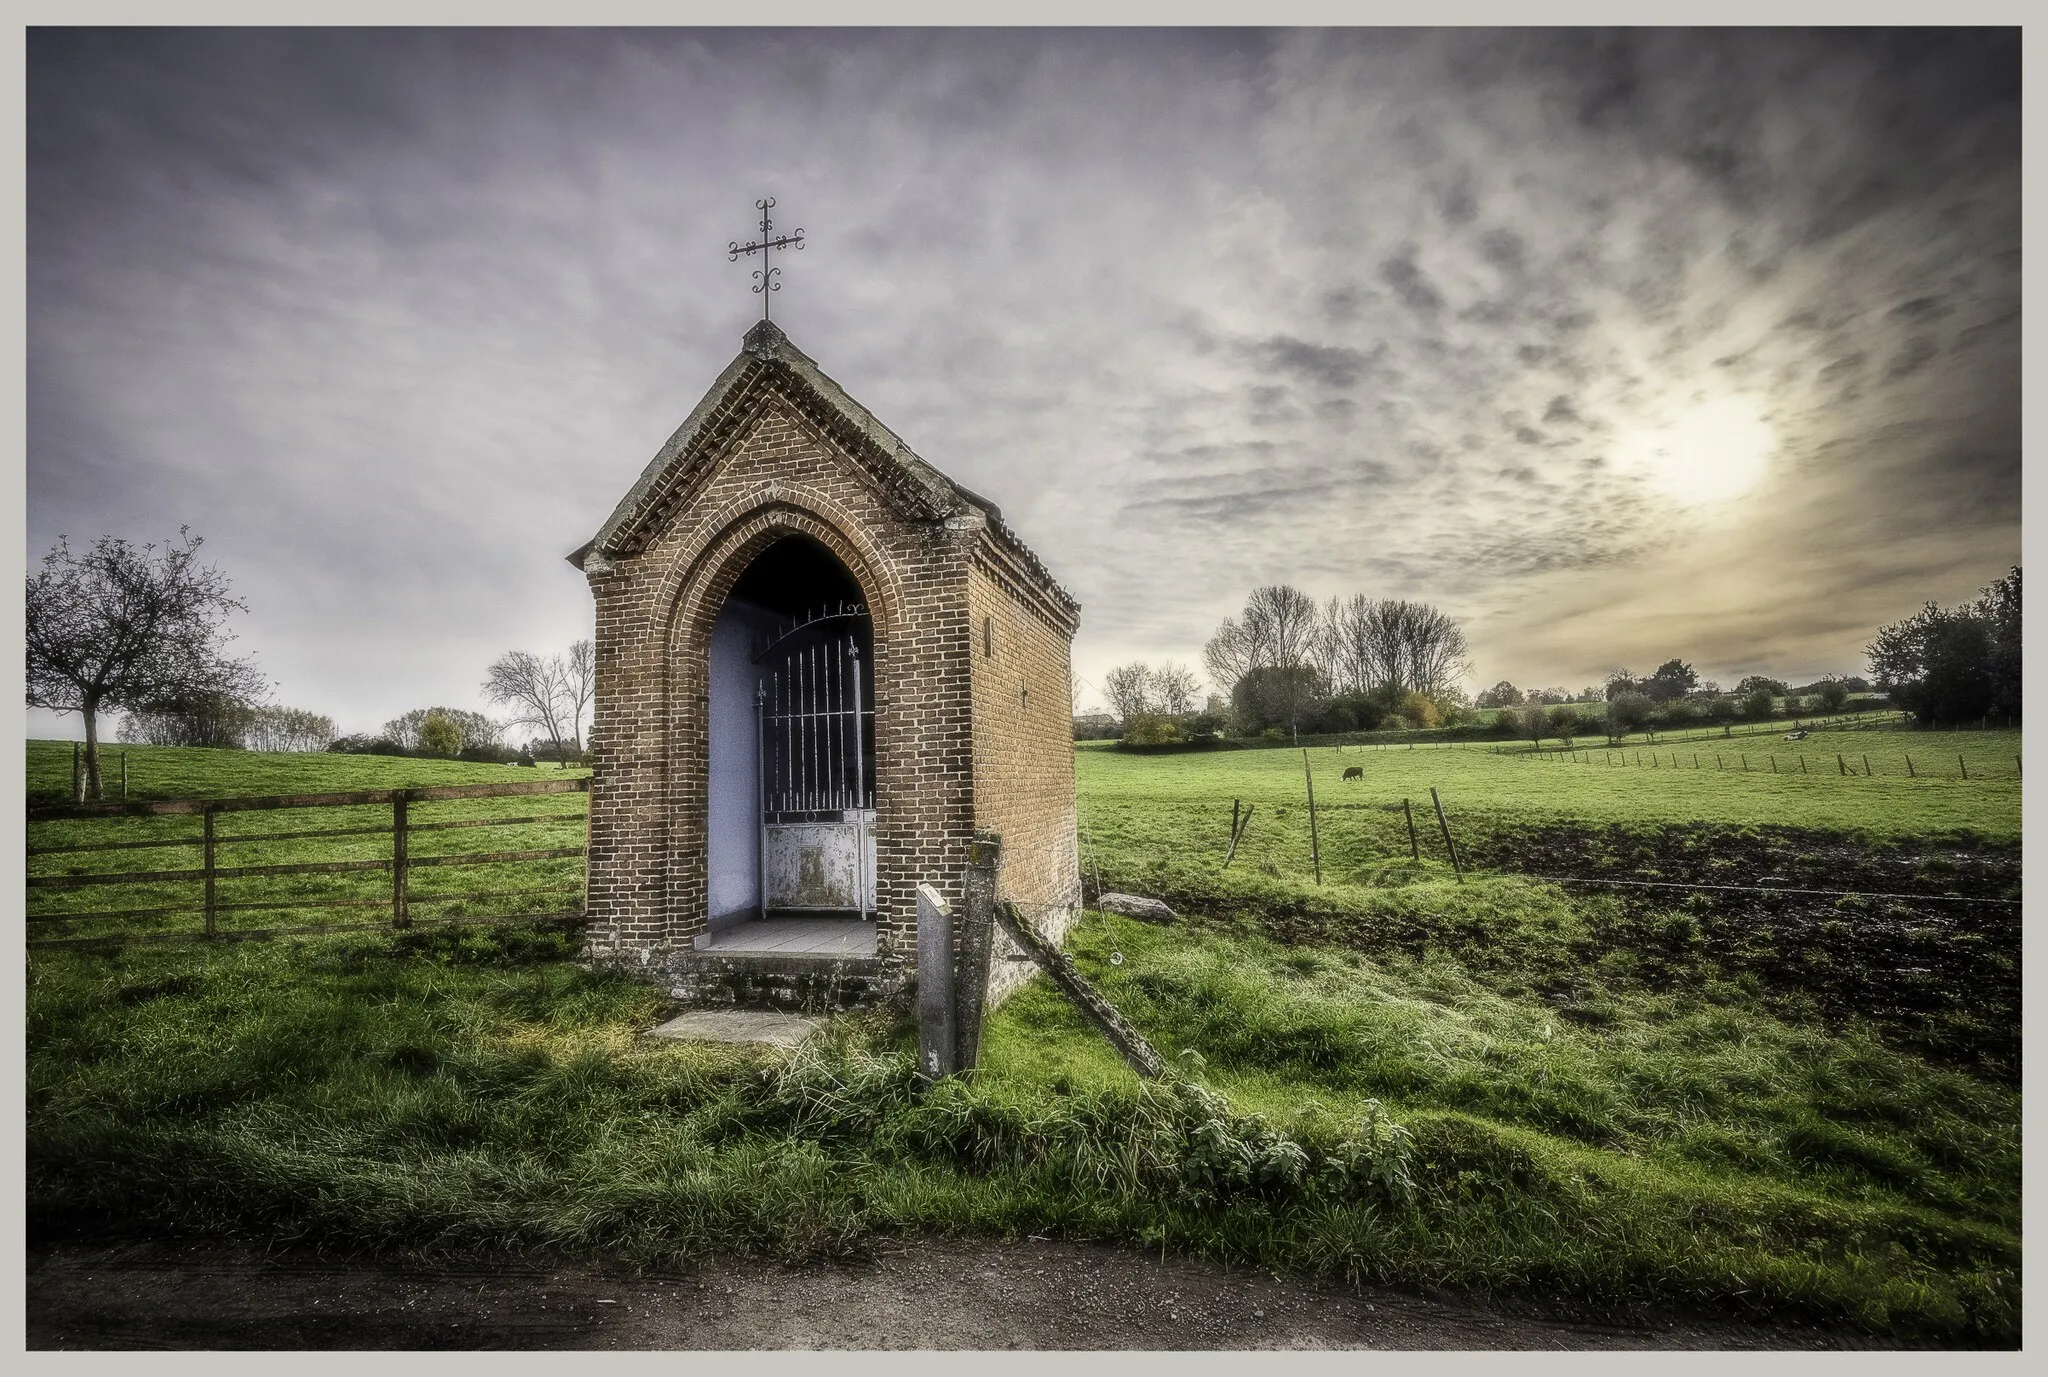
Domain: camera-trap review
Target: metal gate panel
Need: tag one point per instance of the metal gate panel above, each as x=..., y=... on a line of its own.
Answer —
x=816, y=769
x=821, y=866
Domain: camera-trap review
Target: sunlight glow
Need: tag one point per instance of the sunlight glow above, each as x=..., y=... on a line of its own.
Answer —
x=1710, y=453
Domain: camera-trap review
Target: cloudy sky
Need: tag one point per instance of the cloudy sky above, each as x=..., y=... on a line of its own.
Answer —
x=1616, y=346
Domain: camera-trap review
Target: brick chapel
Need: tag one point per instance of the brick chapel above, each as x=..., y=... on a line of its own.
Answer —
x=822, y=668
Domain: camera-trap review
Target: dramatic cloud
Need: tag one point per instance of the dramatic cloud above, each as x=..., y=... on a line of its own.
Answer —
x=1615, y=345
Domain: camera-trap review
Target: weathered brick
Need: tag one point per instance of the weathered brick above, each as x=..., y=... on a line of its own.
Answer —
x=972, y=636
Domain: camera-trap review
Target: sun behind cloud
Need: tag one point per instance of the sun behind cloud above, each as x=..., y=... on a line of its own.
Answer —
x=1711, y=452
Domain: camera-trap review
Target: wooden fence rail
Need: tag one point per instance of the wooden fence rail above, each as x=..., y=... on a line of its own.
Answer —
x=400, y=863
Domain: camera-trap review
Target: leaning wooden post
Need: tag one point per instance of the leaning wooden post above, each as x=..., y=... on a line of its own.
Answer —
x=77, y=776
x=1235, y=804
x=1235, y=838
x=399, y=917
x=1449, y=845
x=1315, y=849
x=206, y=821
x=1866, y=767
x=1840, y=768
x=1909, y=768
x=977, y=946
x=1130, y=1044
x=1414, y=847
x=1965, y=766
x=936, y=1047
x=124, y=775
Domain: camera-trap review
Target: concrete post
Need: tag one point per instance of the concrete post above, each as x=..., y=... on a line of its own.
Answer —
x=936, y=1050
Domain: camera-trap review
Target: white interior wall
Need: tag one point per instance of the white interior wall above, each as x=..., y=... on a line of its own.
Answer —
x=734, y=834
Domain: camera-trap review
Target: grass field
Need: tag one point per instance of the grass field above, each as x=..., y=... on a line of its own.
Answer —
x=1497, y=1084
x=173, y=772
x=1180, y=804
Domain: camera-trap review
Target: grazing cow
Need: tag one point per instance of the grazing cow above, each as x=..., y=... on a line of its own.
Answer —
x=1799, y=735
x=1355, y=772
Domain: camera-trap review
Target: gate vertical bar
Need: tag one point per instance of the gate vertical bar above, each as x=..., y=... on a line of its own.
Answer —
x=761, y=797
x=861, y=800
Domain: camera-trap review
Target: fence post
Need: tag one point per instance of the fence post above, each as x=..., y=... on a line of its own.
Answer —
x=935, y=1037
x=1315, y=849
x=1840, y=768
x=1964, y=764
x=77, y=776
x=1237, y=835
x=206, y=822
x=399, y=917
x=1909, y=768
x=1866, y=767
x=977, y=944
x=1449, y=845
x=1414, y=847
x=124, y=776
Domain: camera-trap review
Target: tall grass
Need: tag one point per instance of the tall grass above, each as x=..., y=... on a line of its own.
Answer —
x=1392, y=1120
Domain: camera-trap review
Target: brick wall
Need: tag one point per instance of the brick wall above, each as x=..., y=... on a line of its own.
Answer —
x=962, y=738
x=1023, y=740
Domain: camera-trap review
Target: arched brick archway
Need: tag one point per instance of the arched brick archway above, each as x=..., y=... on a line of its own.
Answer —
x=701, y=590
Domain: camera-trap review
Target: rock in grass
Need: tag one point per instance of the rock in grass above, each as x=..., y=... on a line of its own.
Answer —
x=1135, y=906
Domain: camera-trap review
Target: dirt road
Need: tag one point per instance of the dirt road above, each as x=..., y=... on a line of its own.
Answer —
x=933, y=1294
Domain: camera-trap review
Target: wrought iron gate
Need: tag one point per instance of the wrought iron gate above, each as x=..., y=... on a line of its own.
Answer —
x=816, y=765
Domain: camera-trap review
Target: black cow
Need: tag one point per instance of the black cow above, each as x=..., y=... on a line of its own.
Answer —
x=1355, y=772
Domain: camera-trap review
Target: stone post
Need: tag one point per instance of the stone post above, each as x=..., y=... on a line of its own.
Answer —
x=977, y=944
x=936, y=1047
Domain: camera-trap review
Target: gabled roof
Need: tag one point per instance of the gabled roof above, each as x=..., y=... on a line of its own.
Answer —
x=768, y=361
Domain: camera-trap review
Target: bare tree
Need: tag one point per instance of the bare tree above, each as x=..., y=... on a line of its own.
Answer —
x=579, y=686
x=1175, y=687
x=1354, y=659
x=547, y=695
x=1433, y=648
x=1129, y=690
x=1233, y=652
x=132, y=628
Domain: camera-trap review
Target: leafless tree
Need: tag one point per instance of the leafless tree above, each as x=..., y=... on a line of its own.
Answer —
x=1433, y=648
x=1355, y=656
x=579, y=686
x=1291, y=623
x=130, y=627
x=1129, y=689
x=1175, y=687
x=549, y=695
x=1233, y=652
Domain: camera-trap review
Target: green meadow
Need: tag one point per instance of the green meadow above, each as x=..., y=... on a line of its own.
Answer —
x=1501, y=1084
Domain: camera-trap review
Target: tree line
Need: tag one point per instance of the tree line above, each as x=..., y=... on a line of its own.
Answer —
x=142, y=631
x=1287, y=664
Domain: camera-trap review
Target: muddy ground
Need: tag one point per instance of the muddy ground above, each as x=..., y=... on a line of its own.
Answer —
x=1937, y=969
x=932, y=1294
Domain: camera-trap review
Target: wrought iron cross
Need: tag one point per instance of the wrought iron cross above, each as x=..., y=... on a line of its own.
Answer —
x=764, y=276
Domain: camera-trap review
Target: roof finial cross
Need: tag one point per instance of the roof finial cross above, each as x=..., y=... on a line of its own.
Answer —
x=765, y=277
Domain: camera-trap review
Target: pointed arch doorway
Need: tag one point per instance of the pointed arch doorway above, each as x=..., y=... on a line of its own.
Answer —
x=791, y=808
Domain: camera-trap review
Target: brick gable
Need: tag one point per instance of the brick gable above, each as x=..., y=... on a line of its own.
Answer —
x=963, y=739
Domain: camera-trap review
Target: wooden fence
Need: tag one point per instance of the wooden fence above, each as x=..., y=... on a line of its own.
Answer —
x=210, y=872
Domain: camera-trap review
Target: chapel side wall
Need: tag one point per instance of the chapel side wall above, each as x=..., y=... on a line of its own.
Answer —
x=1024, y=752
x=648, y=871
